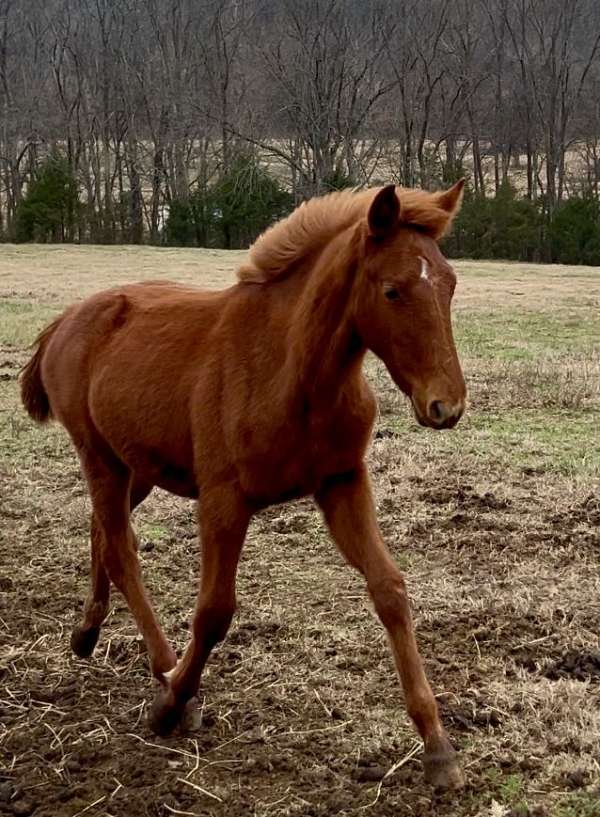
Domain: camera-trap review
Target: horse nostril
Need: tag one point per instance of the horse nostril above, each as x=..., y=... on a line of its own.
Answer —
x=437, y=411
x=441, y=414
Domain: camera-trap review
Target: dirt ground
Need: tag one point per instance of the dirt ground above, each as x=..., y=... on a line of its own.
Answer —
x=496, y=524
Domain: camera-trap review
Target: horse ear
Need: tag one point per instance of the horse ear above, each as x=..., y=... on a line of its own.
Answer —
x=451, y=199
x=384, y=212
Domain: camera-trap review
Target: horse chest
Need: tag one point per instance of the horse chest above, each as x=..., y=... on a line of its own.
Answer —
x=293, y=462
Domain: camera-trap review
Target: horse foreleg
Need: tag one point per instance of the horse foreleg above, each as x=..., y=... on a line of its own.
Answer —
x=223, y=522
x=349, y=511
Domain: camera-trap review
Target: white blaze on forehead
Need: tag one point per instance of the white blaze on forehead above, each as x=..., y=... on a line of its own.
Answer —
x=424, y=269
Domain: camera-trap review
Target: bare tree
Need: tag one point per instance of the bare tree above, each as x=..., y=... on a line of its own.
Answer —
x=555, y=56
x=326, y=68
x=150, y=100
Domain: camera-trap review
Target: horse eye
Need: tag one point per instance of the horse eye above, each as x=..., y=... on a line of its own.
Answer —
x=391, y=294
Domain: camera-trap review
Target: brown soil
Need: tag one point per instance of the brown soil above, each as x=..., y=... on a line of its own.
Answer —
x=299, y=711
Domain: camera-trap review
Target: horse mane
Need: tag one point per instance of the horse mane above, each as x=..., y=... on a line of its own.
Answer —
x=317, y=221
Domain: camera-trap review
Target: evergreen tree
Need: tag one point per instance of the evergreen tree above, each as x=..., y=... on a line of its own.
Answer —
x=47, y=211
x=232, y=212
x=574, y=232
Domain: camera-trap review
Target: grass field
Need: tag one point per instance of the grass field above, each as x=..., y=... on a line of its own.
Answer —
x=497, y=525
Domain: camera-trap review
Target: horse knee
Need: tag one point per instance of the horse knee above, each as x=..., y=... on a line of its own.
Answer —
x=391, y=601
x=120, y=561
x=114, y=567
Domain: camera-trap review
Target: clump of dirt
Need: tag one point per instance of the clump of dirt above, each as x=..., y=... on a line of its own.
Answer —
x=467, y=717
x=575, y=778
x=582, y=666
x=586, y=511
x=464, y=496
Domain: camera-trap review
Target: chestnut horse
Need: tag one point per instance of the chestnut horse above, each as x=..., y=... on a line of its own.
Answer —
x=253, y=396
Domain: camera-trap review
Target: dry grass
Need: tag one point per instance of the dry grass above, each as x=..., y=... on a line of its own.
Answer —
x=496, y=524
x=62, y=273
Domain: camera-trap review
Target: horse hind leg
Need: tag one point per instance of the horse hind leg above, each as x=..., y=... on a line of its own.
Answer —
x=114, y=557
x=84, y=636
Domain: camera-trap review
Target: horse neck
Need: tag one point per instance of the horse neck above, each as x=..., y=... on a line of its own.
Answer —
x=324, y=351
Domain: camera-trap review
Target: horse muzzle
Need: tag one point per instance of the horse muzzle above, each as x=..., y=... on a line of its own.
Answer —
x=439, y=414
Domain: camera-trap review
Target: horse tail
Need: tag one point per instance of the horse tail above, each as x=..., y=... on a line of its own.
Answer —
x=33, y=393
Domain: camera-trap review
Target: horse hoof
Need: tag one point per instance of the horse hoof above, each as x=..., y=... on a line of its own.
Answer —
x=191, y=717
x=164, y=716
x=442, y=771
x=84, y=641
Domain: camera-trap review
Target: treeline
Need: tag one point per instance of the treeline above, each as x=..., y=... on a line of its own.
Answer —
x=197, y=121
x=511, y=227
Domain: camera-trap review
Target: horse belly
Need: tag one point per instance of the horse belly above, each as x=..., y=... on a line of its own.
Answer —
x=159, y=458
x=176, y=479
